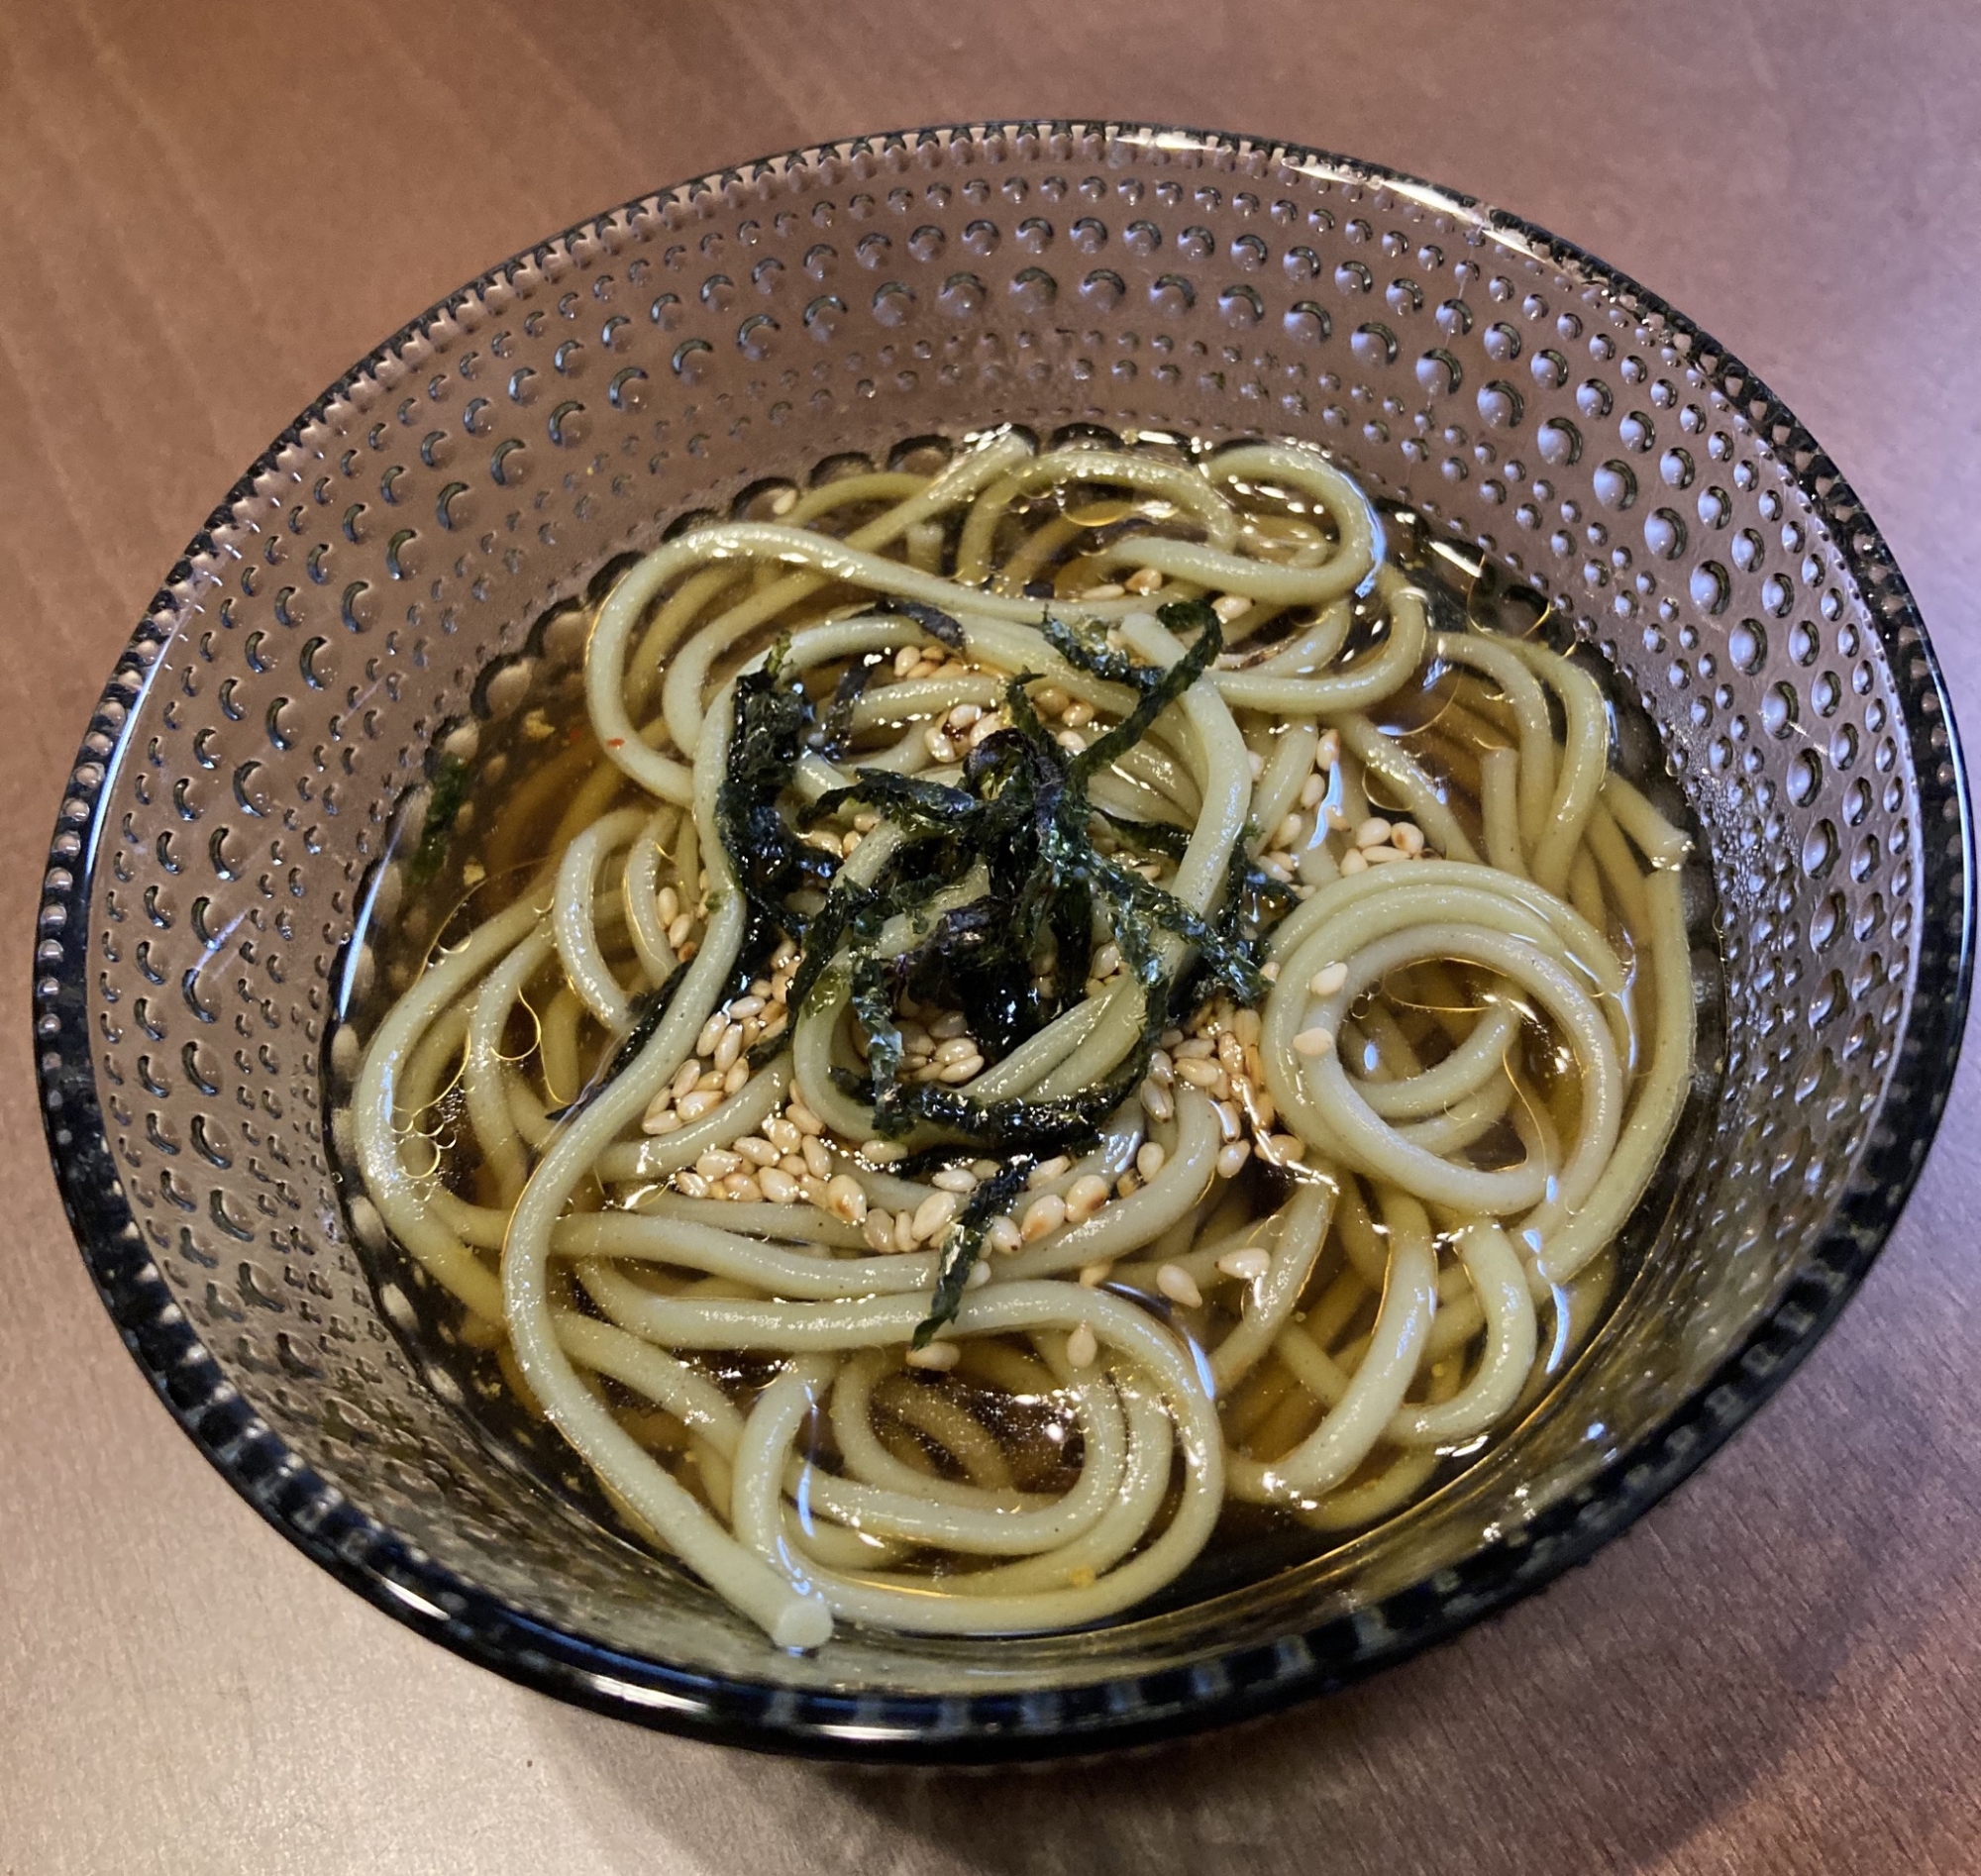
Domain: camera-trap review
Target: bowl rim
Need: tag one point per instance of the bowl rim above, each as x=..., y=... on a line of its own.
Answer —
x=1243, y=1682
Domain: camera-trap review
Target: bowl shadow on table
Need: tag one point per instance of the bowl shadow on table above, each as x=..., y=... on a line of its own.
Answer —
x=1596, y=1727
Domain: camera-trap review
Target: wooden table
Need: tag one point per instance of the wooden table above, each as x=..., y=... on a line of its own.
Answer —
x=206, y=212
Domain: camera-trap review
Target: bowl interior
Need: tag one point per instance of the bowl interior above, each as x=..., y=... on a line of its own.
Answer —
x=414, y=532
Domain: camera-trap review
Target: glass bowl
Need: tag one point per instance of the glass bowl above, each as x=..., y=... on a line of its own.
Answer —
x=413, y=528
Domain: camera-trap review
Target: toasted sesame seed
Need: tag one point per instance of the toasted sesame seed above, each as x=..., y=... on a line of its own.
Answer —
x=1230, y=605
x=1329, y=752
x=1082, y=1347
x=1408, y=838
x=955, y=1049
x=939, y=745
x=1050, y=699
x=934, y=1214
x=1314, y=1042
x=1179, y=1286
x=878, y=1229
x=938, y=1356
x=1199, y=1072
x=801, y=1117
x=1144, y=579
x=692, y=1185
x=757, y=1152
x=1231, y=1052
x=1093, y=1276
x=1269, y=970
x=711, y=1033
x=668, y=1122
x=1157, y=1102
x=1248, y=1265
x=1046, y=1212
x=793, y=1163
x=1127, y=1186
x=737, y=1079
x=844, y=1198
x=905, y=1232
x=702, y=1100
x=1085, y=1197
x=818, y=1159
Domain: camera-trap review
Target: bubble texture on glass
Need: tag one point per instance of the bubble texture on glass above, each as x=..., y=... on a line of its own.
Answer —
x=390, y=573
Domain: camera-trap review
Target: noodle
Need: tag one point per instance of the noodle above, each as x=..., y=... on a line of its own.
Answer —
x=1013, y=1048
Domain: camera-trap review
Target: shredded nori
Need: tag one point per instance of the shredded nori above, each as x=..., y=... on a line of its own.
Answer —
x=444, y=803
x=648, y=1007
x=1017, y=954
x=965, y=1243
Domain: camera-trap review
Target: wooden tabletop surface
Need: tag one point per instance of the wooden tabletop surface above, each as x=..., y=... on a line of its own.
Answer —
x=208, y=211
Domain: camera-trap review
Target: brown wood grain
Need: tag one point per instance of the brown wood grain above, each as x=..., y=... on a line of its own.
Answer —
x=207, y=212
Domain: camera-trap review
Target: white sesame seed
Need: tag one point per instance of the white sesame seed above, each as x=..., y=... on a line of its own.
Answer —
x=1179, y=1286
x=1082, y=1348
x=711, y=1035
x=1329, y=752
x=737, y=1078
x=801, y=1117
x=939, y=745
x=1374, y=832
x=951, y=1024
x=1157, y=1102
x=937, y=1356
x=702, y=1100
x=1291, y=832
x=878, y=1229
x=1151, y=1159
x=1231, y=1159
x=1408, y=838
x=905, y=1232
x=686, y=1078
x=955, y=1049
x=692, y=1185
x=793, y=1163
x=883, y=1152
x=1314, y=1042
x=780, y=1188
x=1311, y=790
x=1229, y=1122
x=817, y=1160
x=1328, y=979
x=1288, y=1148
x=718, y=1164
x=728, y=1047
x=1046, y=1212
x=1144, y=579
x=1093, y=1276
x=1256, y=763
x=1087, y=1194
x=668, y=904
x=1382, y=856
x=980, y=1275
x=1127, y=1186
x=1354, y=861
x=956, y=1179
x=1046, y=1170
x=757, y=1152
x=906, y=659
x=1248, y=1266
x=1071, y=740
x=955, y=1073
x=1003, y=1234
x=1199, y=1072
x=668, y=1122
x=963, y=716
x=1230, y=605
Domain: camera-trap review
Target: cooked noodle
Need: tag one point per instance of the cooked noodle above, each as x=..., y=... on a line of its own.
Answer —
x=878, y=1273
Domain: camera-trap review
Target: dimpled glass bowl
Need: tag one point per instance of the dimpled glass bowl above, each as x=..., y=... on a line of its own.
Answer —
x=398, y=548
